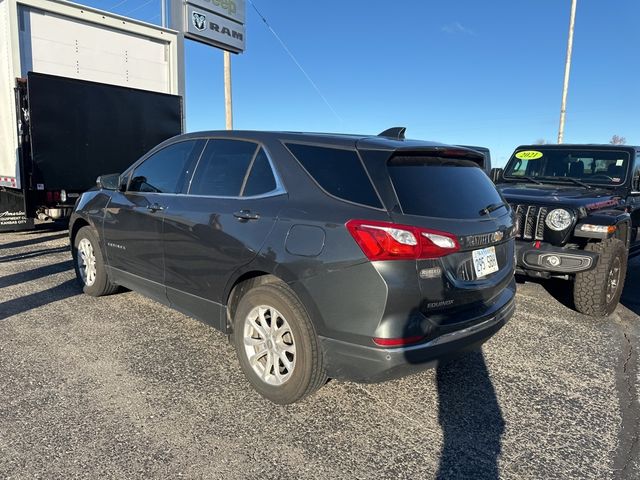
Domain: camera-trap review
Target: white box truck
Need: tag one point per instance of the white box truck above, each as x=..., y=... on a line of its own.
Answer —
x=82, y=93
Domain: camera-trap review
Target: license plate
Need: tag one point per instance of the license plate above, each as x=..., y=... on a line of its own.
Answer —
x=485, y=261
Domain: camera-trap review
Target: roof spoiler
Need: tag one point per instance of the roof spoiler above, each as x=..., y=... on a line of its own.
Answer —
x=396, y=133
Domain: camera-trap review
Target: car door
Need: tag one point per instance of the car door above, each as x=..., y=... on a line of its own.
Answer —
x=220, y=225
x=132, y=227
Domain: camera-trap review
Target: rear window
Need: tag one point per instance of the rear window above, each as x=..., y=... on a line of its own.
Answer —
x=339, y=172
x=432, y=187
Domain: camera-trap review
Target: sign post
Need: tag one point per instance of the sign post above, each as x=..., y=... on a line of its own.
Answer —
x=228, y=99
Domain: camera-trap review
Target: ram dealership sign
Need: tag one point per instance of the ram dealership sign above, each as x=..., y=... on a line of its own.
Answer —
x=216, y=22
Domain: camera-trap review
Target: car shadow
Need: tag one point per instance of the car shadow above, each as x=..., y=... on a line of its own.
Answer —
x=33, y=254
x=561, y=290
x=35, y=274
x=468, y=409
x=32, y=240
x=25, y=303
x=471, y=419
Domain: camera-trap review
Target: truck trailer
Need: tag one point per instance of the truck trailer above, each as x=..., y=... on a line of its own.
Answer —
x=82, y=93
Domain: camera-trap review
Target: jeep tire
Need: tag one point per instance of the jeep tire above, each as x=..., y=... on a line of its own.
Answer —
x=597, y=291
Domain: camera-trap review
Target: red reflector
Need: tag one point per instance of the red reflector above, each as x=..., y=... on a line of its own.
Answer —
x=397, y=342
x=392, y=241
x=537, y=244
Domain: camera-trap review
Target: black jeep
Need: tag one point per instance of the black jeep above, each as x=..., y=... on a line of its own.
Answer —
x=578, y=213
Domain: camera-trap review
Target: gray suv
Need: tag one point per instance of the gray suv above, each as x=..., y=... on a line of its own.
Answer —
x=321, y=256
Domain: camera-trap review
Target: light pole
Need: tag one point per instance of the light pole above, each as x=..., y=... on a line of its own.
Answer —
x=567, y=71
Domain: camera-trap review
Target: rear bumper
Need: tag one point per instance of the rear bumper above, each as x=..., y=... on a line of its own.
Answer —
x=369, y=364
x=554, y=260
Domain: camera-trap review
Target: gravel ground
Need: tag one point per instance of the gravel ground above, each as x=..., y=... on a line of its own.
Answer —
x=122, y=387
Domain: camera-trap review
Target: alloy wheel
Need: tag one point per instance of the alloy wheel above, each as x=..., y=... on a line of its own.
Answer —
x=86, y=262
x=269, y=345
x=613, y=281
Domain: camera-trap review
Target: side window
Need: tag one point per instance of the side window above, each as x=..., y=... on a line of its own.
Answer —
x=636, y=175
x=222, y=168
x=339, y=172
x=261, y=179
x=163, y=172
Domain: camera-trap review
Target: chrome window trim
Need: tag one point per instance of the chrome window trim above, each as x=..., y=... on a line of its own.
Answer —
x=273, y=193
x=250, y=169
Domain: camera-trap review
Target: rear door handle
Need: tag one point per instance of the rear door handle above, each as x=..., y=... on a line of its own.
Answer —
x=246, y=215
x=154, y=207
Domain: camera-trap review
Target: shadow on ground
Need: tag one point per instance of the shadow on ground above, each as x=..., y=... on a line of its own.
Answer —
x=35, y=274
x=33, y=240
x=39, y=299
x=33, y=254
x=471, y=419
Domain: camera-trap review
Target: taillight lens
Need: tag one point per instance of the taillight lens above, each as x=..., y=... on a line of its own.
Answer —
x=391, y=241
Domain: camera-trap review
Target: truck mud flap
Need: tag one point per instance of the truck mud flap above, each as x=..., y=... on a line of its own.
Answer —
x=13, y=211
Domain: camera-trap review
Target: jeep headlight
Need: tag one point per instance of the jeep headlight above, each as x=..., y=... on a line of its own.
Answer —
x=559, y=219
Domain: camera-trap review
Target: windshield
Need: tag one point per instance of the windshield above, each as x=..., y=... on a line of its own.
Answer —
x=600, y=167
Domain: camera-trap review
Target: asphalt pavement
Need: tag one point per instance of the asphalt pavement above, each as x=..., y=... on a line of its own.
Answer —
x=123, y=387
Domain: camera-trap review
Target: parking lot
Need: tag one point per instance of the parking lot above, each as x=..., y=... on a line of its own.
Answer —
x=124, y=387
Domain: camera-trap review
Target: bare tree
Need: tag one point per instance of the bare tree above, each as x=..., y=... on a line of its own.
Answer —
x=617, y=140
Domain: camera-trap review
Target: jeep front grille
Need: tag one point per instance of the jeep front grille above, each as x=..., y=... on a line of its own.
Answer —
x=530, y=221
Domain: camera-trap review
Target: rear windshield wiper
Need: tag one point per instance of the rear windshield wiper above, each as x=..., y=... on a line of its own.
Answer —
x=492, y=208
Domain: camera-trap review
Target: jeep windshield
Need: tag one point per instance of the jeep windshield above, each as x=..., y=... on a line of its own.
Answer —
x=562, y=165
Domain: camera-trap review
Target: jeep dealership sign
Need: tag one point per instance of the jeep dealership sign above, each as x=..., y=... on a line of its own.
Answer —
x=231, y=9
x=216, y=22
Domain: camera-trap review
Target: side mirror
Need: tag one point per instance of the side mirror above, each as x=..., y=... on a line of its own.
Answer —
x=497, y=175
x=108, y=182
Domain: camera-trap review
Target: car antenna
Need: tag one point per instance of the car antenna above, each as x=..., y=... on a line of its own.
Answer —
x=396, y=133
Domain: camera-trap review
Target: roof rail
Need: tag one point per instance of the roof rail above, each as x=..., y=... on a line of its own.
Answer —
x=394, y=132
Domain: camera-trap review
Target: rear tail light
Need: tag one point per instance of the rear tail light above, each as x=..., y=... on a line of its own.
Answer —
x=49, y=197
x=56, y=196
x=391, y=241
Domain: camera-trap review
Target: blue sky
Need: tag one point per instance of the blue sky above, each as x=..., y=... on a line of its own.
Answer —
x=458, y=71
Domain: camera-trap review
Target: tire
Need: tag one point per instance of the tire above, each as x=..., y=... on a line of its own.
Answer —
x=295, y=341
x=591, y=292
x=94, y=281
